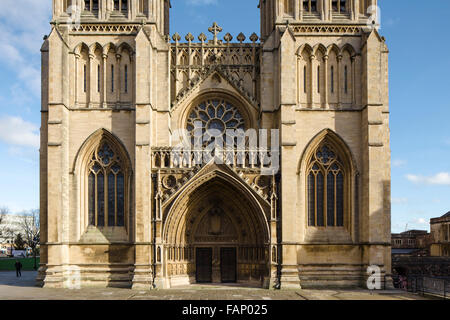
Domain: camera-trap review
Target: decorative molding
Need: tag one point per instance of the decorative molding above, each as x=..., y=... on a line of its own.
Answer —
x=105, y=28
x=54, y=122
x=331, y=29
x=376, y=144
x=289, y=144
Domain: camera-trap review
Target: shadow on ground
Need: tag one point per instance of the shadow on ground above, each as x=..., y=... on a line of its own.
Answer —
x=8, y=278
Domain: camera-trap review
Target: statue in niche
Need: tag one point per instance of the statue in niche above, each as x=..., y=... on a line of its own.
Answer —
x=215, y=221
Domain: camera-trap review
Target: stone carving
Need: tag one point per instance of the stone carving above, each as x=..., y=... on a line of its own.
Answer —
x=191, y=62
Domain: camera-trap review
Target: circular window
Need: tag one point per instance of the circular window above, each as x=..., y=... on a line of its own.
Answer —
x=214, y=117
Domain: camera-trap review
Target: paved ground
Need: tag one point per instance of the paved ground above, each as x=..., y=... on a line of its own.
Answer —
x=12, y=288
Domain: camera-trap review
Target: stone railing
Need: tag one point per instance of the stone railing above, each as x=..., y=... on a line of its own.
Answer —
x=172, y=158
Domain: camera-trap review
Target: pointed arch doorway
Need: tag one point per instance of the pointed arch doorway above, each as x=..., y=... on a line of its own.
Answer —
x=216, y=232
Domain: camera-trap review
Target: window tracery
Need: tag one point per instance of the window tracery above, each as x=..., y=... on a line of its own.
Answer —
x=217, y=114
x=106, y=188
x=326, y=188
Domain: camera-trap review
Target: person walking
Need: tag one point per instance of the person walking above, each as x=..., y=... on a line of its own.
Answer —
x=18, y=266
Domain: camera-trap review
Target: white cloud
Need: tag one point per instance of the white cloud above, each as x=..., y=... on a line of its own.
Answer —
x=398, y=163
x=18, y=132
x=420, y=221
x=442, y=178
x=23, y=23
x=202, y=2
x=399, y=200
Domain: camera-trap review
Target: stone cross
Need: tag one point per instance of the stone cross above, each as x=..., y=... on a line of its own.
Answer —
x=215, y=30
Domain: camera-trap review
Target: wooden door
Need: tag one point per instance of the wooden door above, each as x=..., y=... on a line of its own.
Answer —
x=228, y=264
x=204, y=265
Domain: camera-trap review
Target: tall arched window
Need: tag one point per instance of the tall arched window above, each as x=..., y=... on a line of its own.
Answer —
x=332, y=79
x=107, y=185
x=121, y=5
x=304, y=79
x=66, y=5
x=326, y=178
x=310, y=5
x=363, y=7
x=91, y=5
x=345, y=80
x=84, y=78
x=339, y=5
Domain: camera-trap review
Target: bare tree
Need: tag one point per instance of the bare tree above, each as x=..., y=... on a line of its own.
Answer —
x=30, y=225
x=3, y=212
x=5, y=232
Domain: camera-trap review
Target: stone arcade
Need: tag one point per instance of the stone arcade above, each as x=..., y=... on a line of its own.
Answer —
x=121, y=206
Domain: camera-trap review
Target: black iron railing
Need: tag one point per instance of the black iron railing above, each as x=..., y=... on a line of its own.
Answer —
x=428, y=285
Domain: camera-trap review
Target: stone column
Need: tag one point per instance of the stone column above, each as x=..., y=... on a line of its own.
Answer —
x=311, y=80
x=104, y=80
x=77, y=58
x=146, y=253
x=353, y=77
x=118, y=77
x=339, y=86
x=325, y=103
x=90, y=87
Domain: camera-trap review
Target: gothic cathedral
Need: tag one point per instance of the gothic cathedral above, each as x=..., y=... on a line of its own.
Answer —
x=298, y=197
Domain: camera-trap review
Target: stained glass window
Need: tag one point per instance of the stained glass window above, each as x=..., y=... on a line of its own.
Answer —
x=319, y=198
x=106, y=188
x=311, y=199
x=91, y=195
x=330, y=199
x=214, y=117
x=326, y=189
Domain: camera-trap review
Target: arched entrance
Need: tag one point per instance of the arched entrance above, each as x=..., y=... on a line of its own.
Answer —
x=216, y=232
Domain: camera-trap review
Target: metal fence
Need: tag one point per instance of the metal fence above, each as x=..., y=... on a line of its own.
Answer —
x=430, y=285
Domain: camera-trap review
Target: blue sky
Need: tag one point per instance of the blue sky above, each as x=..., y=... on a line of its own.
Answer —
x=419, y=96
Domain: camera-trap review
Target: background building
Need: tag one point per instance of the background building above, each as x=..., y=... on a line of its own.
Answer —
x=440, y=230
x=121, y=206
x=411, y=242
x=419, y=253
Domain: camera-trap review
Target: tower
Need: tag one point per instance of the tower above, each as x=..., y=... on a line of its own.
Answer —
x=324, y=78
x=96, y=100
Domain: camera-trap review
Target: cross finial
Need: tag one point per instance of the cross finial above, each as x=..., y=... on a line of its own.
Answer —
x=215, y=30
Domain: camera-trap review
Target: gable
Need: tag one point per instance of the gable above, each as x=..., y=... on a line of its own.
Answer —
x=216, y=79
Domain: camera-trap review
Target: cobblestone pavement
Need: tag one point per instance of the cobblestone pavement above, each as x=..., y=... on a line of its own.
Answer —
x=12, y=288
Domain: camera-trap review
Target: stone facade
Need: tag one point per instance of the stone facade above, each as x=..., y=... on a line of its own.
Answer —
x=440, y=232
x=116, y=87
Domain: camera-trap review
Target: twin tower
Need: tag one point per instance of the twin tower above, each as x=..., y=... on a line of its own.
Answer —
x=123, y=205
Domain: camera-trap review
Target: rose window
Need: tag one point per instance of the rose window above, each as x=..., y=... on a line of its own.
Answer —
x=214, y=117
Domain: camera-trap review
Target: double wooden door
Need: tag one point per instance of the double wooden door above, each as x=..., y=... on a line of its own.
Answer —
x=228, y=265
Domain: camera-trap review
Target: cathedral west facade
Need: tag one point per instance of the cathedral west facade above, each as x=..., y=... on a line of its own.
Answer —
x=123, y=205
